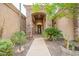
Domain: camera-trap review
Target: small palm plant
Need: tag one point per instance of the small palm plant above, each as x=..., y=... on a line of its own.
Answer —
x=19, y=38
x=52, y=33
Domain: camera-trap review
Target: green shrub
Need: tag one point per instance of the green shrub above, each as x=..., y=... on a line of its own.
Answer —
x=71, y=46
x=18, y=38
x=6, y=47
x=52, y=33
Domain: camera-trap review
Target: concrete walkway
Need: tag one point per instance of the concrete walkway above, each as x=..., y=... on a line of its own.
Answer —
x=38, y=48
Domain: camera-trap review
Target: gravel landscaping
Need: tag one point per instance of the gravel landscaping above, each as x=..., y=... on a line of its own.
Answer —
x=26, y=48
x=54, y=47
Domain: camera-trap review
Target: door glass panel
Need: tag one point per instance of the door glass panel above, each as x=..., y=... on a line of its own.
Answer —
x=39, y=29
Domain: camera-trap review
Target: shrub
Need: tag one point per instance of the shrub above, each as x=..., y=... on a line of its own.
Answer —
x=52, y=33
x=6, y=47
x=18, y=38
x=71, y=46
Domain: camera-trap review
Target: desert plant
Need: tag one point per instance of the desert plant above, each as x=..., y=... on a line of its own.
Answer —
x=6, y=47
x=71, y=46
x=18, y=38
x=36, y=8
x=52, y=33
x=51, y=10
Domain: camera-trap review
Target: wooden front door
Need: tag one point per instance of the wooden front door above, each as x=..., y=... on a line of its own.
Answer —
x=39, y=30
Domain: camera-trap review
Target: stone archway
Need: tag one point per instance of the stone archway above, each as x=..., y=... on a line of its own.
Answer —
x=38, y=20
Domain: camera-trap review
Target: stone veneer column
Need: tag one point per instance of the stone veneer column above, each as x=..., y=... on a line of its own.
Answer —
x=77, y=28
x=77, y=22
x=28, y=21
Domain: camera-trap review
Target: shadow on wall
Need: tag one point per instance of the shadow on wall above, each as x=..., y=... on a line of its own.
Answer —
x=2, y=28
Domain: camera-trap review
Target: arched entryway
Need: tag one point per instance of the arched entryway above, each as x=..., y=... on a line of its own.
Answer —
x=38, y=20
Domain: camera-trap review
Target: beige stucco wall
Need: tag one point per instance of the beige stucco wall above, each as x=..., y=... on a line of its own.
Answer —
x=66, y=26
x=11, y=20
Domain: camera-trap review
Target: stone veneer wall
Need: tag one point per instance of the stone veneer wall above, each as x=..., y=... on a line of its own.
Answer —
x=77, y=23
x=29, y=23
x=11, y=16
x=23, y=24
x=78, y=26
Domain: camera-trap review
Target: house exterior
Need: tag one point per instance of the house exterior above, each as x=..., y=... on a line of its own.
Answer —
x=37, y=22
x=11, y=20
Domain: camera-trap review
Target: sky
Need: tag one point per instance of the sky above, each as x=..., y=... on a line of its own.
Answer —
x=23, y=10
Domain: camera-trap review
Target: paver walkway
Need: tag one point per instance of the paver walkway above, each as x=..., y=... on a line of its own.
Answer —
x=38, y=48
